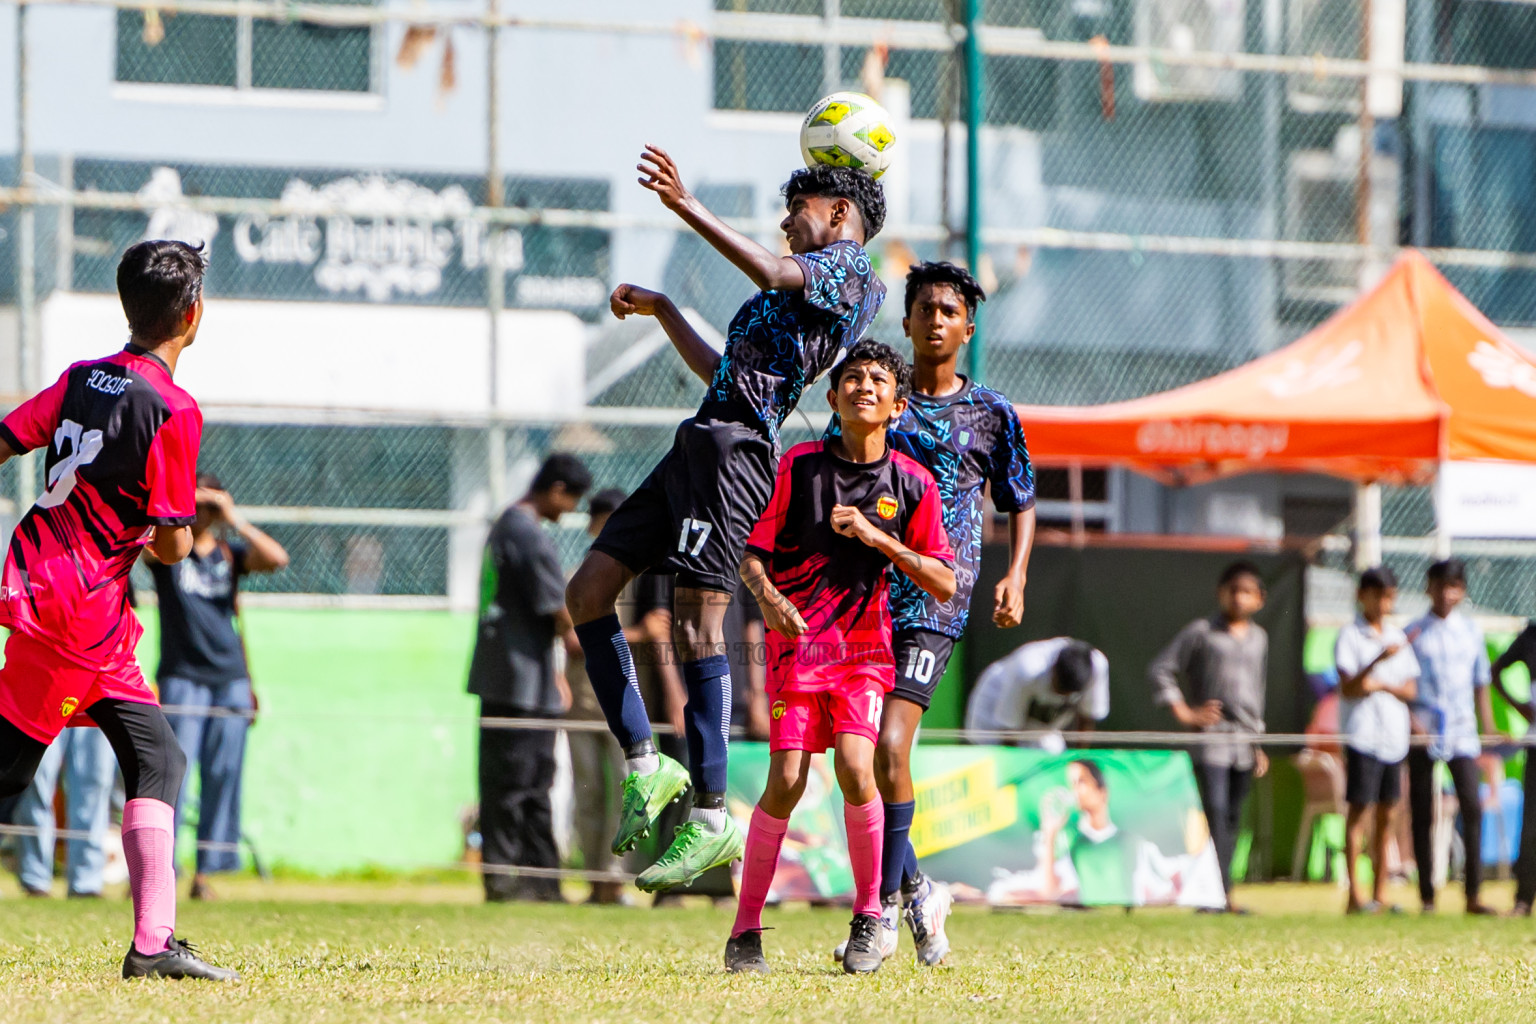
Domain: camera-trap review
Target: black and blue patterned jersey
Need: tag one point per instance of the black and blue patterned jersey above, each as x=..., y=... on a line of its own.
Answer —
x=966, y=440
x=780, y=341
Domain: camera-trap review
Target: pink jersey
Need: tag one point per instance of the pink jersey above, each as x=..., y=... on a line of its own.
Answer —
x=122, y=444
x=839, y=584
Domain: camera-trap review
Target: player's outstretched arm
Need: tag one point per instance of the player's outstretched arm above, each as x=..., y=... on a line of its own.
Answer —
x=632, y=300
x=933, y=575
x=770, y=272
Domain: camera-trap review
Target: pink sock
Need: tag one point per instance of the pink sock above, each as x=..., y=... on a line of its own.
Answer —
x=147, y=839
x=866, y=838
x=764, y=840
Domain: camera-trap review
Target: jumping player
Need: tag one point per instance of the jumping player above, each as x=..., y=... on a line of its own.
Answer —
x=967, y=436
x=121, y=467
x=692, y=515
x=843, y=511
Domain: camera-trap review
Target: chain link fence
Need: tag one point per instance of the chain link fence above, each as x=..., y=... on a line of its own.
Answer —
x=1170, y=188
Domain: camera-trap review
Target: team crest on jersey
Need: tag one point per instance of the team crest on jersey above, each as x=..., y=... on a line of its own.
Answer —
x=963, y=439
x=886, y=507
x=779, y=707
x=68, y=707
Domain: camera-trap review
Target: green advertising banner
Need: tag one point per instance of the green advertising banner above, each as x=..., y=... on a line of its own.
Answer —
x=1014, y=827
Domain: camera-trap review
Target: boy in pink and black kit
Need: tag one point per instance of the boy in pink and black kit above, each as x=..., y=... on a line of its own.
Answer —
x=844, y=510
x=120, y=473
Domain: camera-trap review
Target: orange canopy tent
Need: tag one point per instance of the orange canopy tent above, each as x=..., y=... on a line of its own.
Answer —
x=1408, y=376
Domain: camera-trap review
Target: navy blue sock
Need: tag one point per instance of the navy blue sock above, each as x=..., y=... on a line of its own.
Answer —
x=611, y=668
x=708, y=720
x=897, y=857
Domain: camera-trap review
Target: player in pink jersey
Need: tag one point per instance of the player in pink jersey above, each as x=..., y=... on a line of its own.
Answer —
x=843, y=511
x=120, y=472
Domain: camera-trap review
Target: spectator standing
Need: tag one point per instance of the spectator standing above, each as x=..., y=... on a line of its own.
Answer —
x=203, y=666
x=1523, y=651
x=1378, y=680
x=1453, y=679
x=597, y=761
x=1213, y=677
x=84, y=758
x=1046, y=686
x=522, y=612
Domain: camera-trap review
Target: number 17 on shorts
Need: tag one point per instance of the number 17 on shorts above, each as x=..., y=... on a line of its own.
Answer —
x=694, y=534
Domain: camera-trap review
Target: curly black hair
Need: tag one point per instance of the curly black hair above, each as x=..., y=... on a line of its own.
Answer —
x=945, y=273
x=848, y=183
x=870, y=351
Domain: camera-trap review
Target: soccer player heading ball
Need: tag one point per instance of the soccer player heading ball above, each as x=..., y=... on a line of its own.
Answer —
x=969, y=437
x=844, y=511
x=692, y=515
x=122, y=443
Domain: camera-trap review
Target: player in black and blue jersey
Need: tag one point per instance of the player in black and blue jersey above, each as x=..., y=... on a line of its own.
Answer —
x=692, y=515
x=969, y=437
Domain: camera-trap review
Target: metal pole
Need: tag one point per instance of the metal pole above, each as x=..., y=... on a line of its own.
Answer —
x=495, y=279
x=973, y=116
x=947, y=96
x=1367, y=526
x=1367, y=145
x=26, y=218
x=26, y=252
x=831, y=52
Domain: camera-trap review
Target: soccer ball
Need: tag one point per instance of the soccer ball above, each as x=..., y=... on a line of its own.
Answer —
x=848, y=129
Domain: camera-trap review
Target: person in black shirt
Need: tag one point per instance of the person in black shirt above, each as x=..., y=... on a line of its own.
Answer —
x=1523, y=650
x=203, y=666
x=522, y=612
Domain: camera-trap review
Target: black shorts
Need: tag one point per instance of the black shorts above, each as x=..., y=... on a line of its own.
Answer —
x=692, y=515
x=921, y=658
x=1369, y=780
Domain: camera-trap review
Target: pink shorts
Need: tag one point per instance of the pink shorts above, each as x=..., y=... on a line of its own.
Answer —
x=42, y=691
x=808, y=721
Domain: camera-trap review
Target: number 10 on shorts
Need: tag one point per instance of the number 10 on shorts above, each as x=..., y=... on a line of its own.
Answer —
x=695, y=533
x=920, y=665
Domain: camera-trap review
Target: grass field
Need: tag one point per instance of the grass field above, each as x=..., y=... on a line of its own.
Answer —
x=426, y=952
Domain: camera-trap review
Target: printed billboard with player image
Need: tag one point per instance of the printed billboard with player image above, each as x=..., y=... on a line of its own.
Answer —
x=1012, y=827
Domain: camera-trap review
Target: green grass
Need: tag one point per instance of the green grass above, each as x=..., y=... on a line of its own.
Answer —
x=413, y=952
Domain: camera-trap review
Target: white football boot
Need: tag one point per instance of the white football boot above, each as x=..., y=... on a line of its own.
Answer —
x=890, y=930
x=926, y=914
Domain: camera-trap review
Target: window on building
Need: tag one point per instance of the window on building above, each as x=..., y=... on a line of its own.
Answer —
x=243, y=53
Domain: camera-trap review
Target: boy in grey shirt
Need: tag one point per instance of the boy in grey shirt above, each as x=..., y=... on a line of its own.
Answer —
x=1212, y=677
x=1378, y=679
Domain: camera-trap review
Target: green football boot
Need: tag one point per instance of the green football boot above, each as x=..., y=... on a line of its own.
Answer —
x=645, y=797
x=694, y=850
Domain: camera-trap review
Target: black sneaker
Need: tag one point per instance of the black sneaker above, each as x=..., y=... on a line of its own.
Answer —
x=744, y=954
x=179, y=960
x=862, y=954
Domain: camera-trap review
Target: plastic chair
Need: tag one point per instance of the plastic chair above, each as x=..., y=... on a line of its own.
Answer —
x=1322, y=780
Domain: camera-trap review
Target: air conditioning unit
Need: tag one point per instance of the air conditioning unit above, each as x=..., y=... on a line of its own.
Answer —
x=1325, y=28
x=1321, y=205
x=1188, y=26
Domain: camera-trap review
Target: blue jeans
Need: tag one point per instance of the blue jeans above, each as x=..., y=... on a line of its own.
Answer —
x=216, y=745
x=85, y=759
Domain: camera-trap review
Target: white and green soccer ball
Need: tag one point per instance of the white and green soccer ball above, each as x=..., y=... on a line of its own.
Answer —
x=848, y=129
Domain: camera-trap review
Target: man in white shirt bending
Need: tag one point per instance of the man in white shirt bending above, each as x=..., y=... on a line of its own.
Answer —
x=1048, y=686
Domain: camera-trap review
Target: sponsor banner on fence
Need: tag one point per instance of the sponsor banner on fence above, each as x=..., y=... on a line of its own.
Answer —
x=1015, y=827
x=351, y=235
